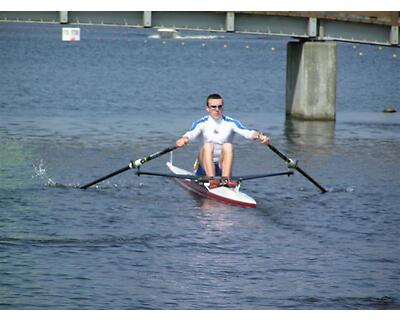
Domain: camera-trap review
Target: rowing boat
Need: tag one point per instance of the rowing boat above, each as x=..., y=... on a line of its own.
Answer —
x=200, y=185
x=223, y=194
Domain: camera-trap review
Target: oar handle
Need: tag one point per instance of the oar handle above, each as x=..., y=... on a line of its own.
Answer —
x=293, y=164
x=137, y=163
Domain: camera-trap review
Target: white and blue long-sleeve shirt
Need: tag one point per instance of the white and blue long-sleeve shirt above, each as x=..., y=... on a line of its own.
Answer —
x=217, y=132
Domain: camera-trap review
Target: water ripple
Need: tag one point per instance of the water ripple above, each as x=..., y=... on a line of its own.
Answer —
x=145, y=240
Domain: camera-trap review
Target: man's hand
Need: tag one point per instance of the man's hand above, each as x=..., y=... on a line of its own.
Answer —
x=263, y=138
x=182, y=142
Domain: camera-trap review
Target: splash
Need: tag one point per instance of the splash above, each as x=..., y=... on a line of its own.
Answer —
x=349, y=189
x=40, y=172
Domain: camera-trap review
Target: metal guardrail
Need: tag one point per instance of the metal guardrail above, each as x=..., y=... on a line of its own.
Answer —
x=381, y=28
x=371, y=17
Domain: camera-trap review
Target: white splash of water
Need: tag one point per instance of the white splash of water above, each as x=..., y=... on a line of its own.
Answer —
x=40, y=172
x=341, y=189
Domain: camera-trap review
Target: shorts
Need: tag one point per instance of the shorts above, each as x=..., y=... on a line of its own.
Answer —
x=201, y=172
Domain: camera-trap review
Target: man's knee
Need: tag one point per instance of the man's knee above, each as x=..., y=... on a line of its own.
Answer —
x=208, y=147
x=227, y=148
x=205, y=152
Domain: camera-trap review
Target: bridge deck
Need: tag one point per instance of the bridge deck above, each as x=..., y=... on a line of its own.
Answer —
x=371, y=27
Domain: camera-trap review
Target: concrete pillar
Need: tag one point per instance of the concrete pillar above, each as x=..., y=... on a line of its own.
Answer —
x=230, y=22
x=147, y=19
x=311, y=80
x=63, y=17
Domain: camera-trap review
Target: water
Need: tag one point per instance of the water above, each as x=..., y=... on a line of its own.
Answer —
x=73, y=112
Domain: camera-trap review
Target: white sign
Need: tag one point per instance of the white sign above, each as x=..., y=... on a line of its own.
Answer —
x=71, y=34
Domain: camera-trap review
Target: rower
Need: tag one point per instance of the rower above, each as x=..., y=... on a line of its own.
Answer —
x=217, y=131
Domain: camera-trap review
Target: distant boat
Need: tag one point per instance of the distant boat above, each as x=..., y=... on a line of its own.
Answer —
x=167, y=33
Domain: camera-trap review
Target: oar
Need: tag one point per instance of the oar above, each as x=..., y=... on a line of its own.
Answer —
x=132, y=165
x=293, y=164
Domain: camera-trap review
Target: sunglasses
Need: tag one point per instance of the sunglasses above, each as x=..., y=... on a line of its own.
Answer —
x=216, y=107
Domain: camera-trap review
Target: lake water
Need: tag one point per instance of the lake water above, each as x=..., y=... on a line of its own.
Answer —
x=71, y=112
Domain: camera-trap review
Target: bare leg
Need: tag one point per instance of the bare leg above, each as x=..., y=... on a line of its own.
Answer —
x=226, y=161
x=206, y=159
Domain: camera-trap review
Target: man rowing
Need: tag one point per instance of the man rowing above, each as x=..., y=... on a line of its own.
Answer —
x=217, y=131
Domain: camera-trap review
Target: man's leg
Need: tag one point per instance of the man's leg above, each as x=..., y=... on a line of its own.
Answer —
x=226, y=161
x=206, y=159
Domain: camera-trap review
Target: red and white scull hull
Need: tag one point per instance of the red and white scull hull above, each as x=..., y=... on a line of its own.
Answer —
x=223, y=194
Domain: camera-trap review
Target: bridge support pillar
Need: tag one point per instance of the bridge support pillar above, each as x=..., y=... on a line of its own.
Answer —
x=311, y=80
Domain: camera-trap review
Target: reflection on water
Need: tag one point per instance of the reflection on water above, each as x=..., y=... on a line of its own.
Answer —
x=210, y=206
x=305, y=132
x=311, y=136
x=214, y=215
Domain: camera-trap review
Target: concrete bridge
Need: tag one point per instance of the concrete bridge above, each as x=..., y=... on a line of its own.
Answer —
x=311, y=58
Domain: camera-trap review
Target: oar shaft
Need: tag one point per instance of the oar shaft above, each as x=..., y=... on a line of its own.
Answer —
x=133, y=164
x=280, y=154
x=105, y=177
x=293, y=164
x=323, y=190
